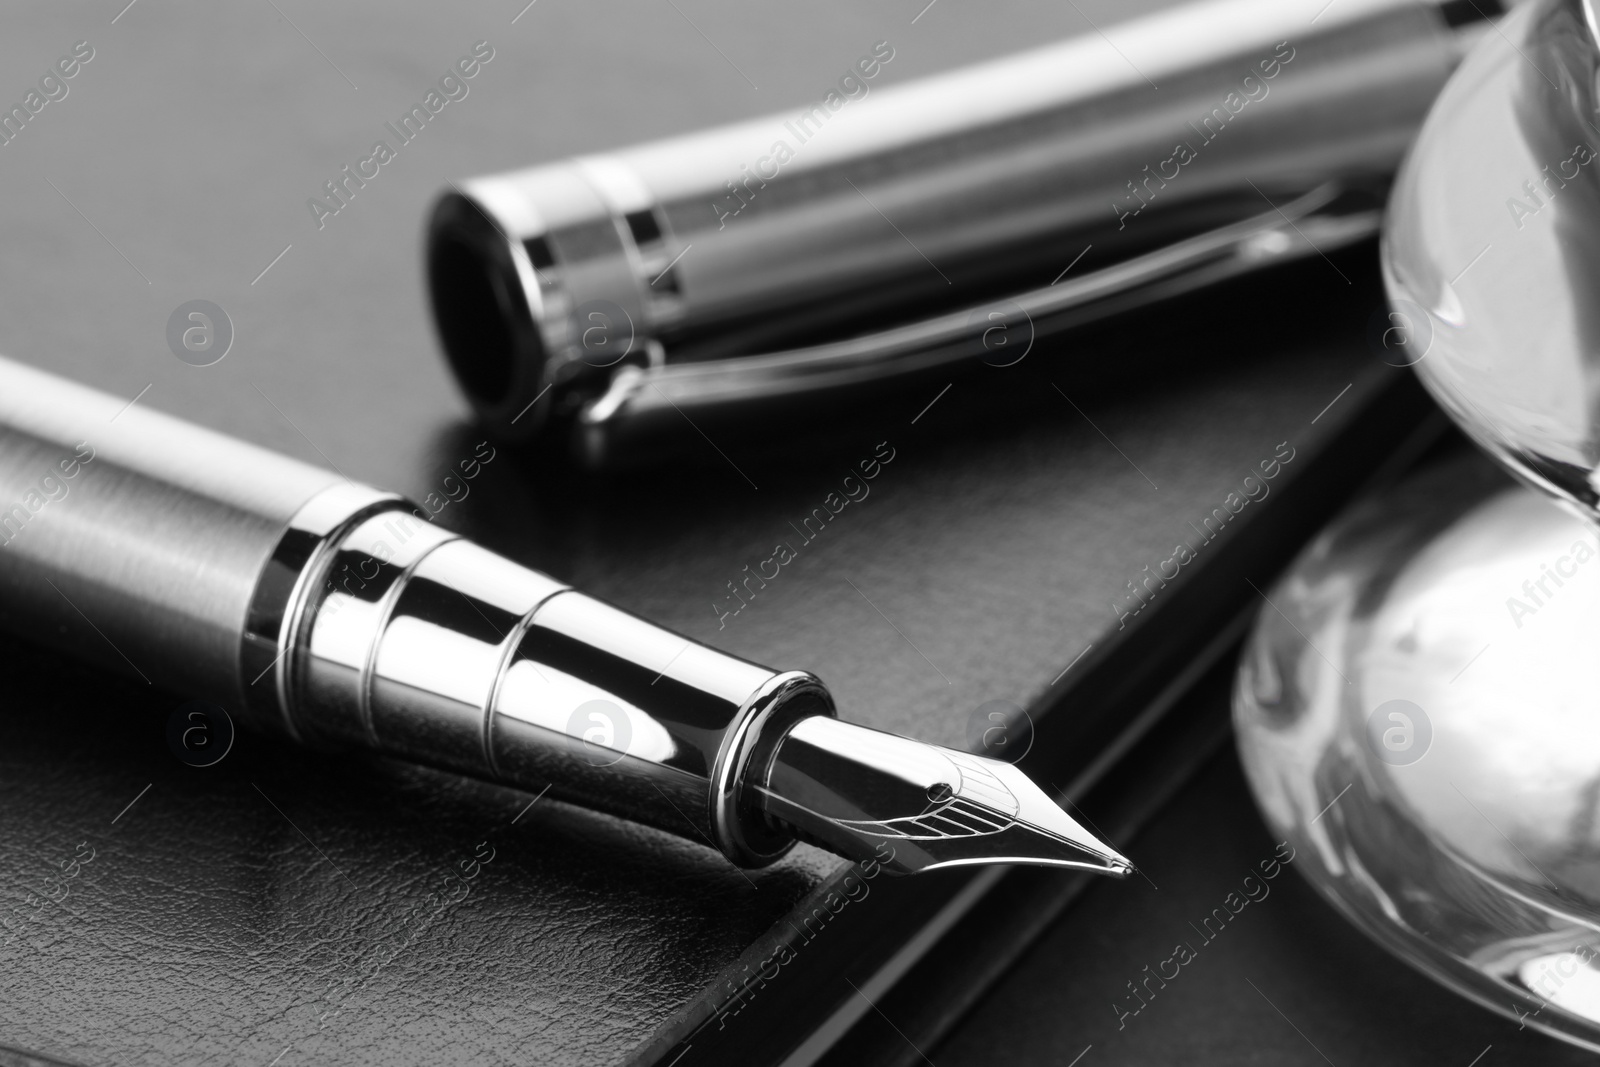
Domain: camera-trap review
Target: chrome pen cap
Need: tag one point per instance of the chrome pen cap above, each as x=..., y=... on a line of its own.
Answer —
x=883, y=230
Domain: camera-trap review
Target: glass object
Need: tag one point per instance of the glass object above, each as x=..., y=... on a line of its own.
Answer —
x=1416, y=709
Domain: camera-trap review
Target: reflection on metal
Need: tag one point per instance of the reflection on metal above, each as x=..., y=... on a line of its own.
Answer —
x=849, y=788
x=641, y=398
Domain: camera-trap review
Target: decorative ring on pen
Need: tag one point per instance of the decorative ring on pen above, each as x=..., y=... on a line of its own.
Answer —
x=744, y=833
x=285, y=584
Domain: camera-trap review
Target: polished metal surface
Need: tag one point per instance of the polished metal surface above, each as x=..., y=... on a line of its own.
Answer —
x=572, y=291
x=409, y=640
x=918, y=807
x=340, y=615
x=641, y=401
x=1416, y=717
x=1490, y=248
x=277, y=608
x=333, y=664
x=650, y=724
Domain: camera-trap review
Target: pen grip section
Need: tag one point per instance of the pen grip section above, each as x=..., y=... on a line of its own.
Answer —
x=420, y=644
x=624, y=716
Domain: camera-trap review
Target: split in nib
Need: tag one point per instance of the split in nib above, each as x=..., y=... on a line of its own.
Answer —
x=853, y=789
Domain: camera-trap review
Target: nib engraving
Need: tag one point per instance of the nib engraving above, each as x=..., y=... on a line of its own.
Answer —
x=851, y=788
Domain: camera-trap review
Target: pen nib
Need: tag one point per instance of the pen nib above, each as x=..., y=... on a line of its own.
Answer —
x=918, y=807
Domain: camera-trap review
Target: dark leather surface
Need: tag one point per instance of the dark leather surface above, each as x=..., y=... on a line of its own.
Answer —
x=292, y=899
x=315, y=908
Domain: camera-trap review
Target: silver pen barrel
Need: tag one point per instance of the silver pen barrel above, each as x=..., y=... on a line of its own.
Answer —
x=135, y=539
x=331, y=613
x=556, y=287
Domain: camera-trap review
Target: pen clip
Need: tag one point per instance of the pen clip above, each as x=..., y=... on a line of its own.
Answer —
x=641, y=398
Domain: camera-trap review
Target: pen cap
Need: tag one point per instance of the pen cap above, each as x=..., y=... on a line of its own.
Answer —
x=870, y=202
x=403, y=638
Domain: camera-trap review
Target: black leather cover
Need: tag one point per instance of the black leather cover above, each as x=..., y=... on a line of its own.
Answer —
x=291, y=907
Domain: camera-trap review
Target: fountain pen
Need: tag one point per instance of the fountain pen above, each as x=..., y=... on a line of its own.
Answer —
x=336, y=615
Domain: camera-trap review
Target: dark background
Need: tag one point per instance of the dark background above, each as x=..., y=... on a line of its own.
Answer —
x=281, y=907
